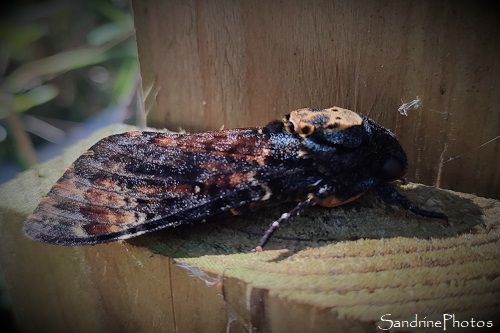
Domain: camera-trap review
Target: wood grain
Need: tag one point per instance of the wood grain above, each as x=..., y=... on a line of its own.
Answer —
x=244, y=63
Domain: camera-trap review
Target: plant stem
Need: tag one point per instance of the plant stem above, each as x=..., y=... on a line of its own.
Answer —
x=23, y=144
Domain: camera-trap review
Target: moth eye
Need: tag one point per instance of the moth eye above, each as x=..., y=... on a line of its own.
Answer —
x=307, y=130
x=392, y=169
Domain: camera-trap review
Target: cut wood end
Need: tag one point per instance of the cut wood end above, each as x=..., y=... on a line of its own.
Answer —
x=431, y=270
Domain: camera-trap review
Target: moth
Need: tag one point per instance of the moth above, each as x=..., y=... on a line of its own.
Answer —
x=136, y=182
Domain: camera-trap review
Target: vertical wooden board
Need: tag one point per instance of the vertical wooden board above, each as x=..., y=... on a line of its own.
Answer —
x=291, y=317
x=243, y=63
x=169, y=61
x=198, y=307
x=235, y=292
x=222, y=67
x=451, y=45
x=193, y=66
x=133, y=286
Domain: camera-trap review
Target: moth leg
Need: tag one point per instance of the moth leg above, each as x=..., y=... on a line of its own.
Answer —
x=282, y=220
x=390, y=196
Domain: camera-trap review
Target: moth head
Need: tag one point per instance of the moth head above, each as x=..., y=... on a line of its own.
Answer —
x=392, y=168
x=392, y=161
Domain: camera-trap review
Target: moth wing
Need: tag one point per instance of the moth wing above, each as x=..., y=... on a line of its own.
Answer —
x=135, y=182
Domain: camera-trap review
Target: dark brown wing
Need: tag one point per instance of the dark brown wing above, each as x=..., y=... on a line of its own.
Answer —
x=135, y=182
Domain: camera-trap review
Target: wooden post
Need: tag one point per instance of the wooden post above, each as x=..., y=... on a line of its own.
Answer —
x=331, y=270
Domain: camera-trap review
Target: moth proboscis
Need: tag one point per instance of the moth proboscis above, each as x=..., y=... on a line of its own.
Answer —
x=136, y=182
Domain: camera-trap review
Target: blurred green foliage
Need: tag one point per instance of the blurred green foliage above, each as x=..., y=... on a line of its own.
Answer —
x=62, y=62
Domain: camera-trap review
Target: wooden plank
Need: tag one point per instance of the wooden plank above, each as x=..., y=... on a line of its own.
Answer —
x=244, y=63
x=336, y=268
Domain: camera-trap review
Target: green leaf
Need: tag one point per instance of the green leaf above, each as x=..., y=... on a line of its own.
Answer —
x=113, y=13
x=16, y=37
x=34, y=97
x=20, y=78
x=126, y=79
x=108, y=32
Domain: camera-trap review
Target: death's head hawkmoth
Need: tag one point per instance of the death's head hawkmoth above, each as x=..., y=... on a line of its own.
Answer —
x=132, y=183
